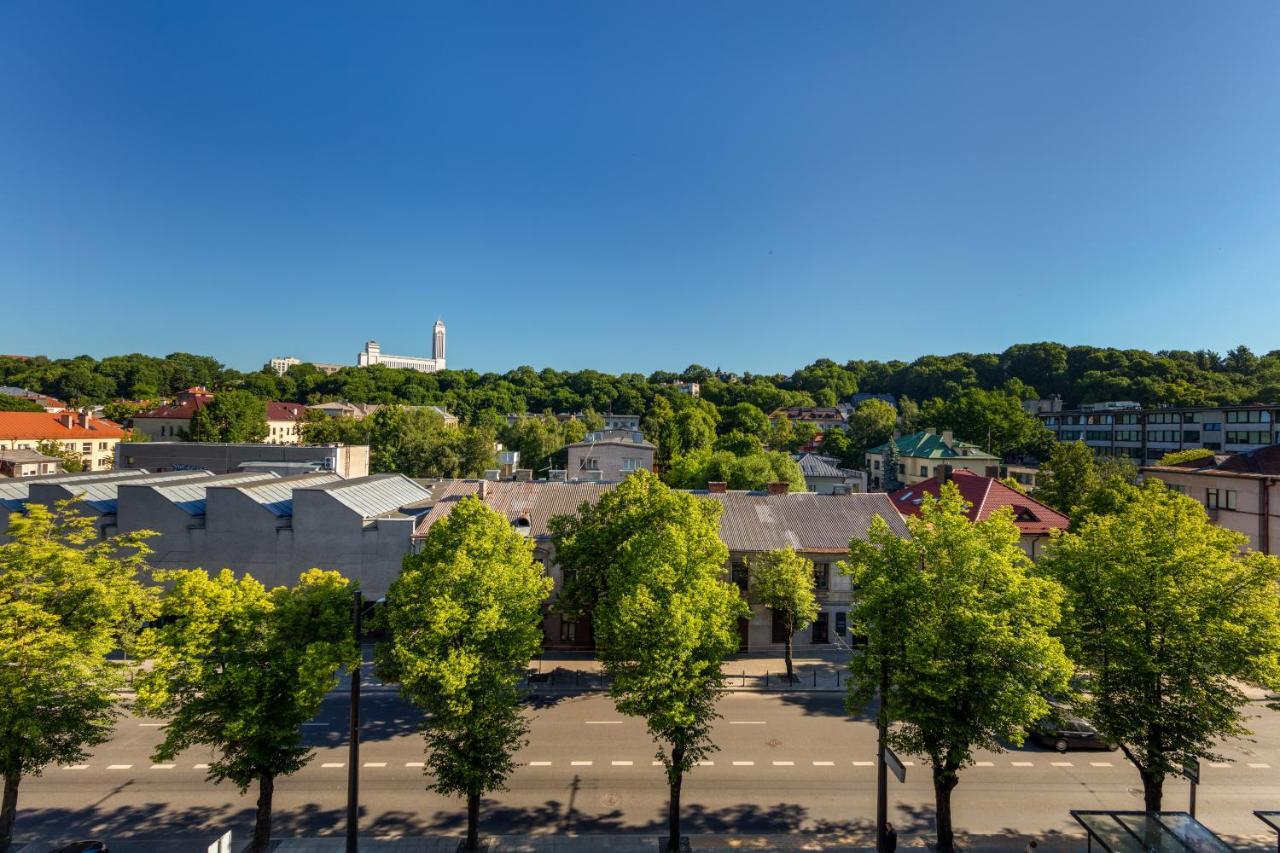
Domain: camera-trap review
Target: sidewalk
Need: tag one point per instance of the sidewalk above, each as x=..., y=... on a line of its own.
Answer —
x=820, y=672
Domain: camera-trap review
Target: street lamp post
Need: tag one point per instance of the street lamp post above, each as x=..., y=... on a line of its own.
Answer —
x=882, y=775
x=353, y=758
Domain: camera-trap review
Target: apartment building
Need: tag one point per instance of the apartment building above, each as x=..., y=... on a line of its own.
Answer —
x=609, y=455
x=90, y=438
x=27, y=463
x=284, y=422
x=823, y=417
x=752, y=523
x=172, y=420
x=1240, y=492
x=1129, y=431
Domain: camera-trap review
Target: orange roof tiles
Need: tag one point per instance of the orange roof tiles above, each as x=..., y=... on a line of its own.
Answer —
x=46, y=426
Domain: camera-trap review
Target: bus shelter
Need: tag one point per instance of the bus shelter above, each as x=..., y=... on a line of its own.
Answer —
x=1148, y=832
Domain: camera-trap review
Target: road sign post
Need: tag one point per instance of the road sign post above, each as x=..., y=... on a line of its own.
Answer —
x=1191, y=770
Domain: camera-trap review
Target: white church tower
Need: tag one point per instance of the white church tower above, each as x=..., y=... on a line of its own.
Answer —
x=437, y=344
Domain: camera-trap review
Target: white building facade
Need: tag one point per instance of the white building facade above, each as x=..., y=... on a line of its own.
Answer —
x=373, y=354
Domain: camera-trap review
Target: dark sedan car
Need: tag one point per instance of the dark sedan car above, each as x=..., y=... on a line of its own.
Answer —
x=84, y=847
x=1064, y=732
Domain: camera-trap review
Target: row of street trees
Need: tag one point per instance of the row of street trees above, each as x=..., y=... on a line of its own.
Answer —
x=1145, y=620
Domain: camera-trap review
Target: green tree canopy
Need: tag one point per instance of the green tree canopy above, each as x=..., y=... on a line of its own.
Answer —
x=871, y=424
x=648, y=563
x=960, y=625
x=783, y=581
x=231, y=416
x=466, y=617
x=67, y=598
x=1166, y=616
x=240, y=668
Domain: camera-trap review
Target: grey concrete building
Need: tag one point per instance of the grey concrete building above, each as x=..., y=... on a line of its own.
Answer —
x=346, y=460
x=1128, y=431
x=609, y=455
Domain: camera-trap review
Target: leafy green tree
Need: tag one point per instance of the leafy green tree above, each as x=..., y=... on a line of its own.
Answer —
x=994, y=419
x=649, y=565
x=10, y=403
x=466, y=617
x=891, y=478
x=1068, y=477
x=1177, y=457
x=750, y=471
x=66, y=600
x=1166, y=618
x=745, y=418
x=231, y=416
x=871, y=424
x=69, y=459
x=783, y=582
x=240, y=668
x=960, y=625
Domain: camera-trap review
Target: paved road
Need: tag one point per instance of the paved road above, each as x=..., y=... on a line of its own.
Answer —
x=786, y=762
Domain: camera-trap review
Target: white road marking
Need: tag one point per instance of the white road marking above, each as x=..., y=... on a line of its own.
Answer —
x=604, y=722
x=864, y=764
x=75, y=767
x=1221, y=765
x=908, y=764
x=744, y=764
x=1258, y=765
x=539, y=763
x=334, y=764
x=824, y=764
x=1023, y=763
x=161, y=766
x=656, y=763
x=984, y=764
x=151, y=725
x=1100, y=764
x=375, y=764
x=119, y=766
x=784, y=764
x=706, y=764
x=1061, y=764
x=579, y=763
x=621, y=763
x=422, y=763
x=746, y=722
x=199, y=766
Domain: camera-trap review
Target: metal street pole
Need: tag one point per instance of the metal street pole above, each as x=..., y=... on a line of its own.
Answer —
x=882, y=780
x=353, y=758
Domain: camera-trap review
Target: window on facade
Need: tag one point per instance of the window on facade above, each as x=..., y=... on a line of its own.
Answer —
x=875, y=465
x=1220, y=498
x=1248, y=437
x=1191, y=435
x=779, y=628
x=820, y=629
x=842, y=624
x=590, y=463
x=902, y=468
x=630, y=464
x=924, y=470
x=568, y=631
x=740, y=574
x=820, y=573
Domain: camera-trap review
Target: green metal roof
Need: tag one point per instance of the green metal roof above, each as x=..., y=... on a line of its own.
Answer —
x=927, y=444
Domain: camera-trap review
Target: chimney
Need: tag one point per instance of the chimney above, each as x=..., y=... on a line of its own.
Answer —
x=779, y=488
x=67, y=418
x=944, y=474
x=717, y=487
x=483, y=493
x=947, y=437
x=85, y=417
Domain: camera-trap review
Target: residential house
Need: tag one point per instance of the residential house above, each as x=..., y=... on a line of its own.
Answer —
x=985, y=495
x=284, y=421
x=50, y=404
x=609, y=455
x=752, y=523
x=24, y=462
x=920, y=453
x=823, y=417
x=172, y=420
x=823, y=475
x=1239, y=491
x=91, y=439
x=360, y=411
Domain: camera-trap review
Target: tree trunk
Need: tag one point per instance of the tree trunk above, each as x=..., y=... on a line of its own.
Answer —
x=1152, y=790
x=262, y=820
x=944, y=782
x=673, y=813
x=473, y=820
x=790, y=676
x=9, y=811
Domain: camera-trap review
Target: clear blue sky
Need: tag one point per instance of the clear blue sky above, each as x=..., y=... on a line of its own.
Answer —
x=637, y=186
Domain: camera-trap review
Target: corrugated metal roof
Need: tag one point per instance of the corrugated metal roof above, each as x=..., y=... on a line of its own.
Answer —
x=103, y=496
x=812, y=465
x=276, y=496
x=377, y=494
x=14, y=493
x=751, y=521
x=190, y=496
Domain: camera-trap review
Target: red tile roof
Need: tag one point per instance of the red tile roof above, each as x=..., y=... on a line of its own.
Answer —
x=284, y=411
x=984, y=495
x=45, y=426
x=187, y=404
x=1262, y=460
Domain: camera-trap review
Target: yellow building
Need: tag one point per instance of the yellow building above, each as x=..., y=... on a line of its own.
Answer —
x=91, y=439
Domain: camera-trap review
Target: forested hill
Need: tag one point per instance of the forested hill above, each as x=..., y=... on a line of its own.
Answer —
x=1077, y=374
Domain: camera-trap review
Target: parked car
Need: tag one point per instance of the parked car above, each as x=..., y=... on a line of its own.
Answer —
x=1063, y=732
x=84, y=847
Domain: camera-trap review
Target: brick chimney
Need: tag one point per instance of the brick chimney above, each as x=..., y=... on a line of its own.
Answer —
x=944, y=474
x=86, y=417
x=67, y=418
x=716, y=487
x=947, y=437
x=779, y=488
x=483, y=492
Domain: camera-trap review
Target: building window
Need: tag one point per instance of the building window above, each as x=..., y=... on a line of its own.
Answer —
x=1191, y=435
x=875, y=465
x=568, y=631
x=740, y=574
x=820, y=574
x=1220, y=498
x=589, y=463
x=902, y=467
x=820, y=629
x=630, y=463
x=779, y=628
x=924, y=470
x=842, y=624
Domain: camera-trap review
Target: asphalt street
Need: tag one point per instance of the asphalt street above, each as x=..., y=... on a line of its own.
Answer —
x=786, y=762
